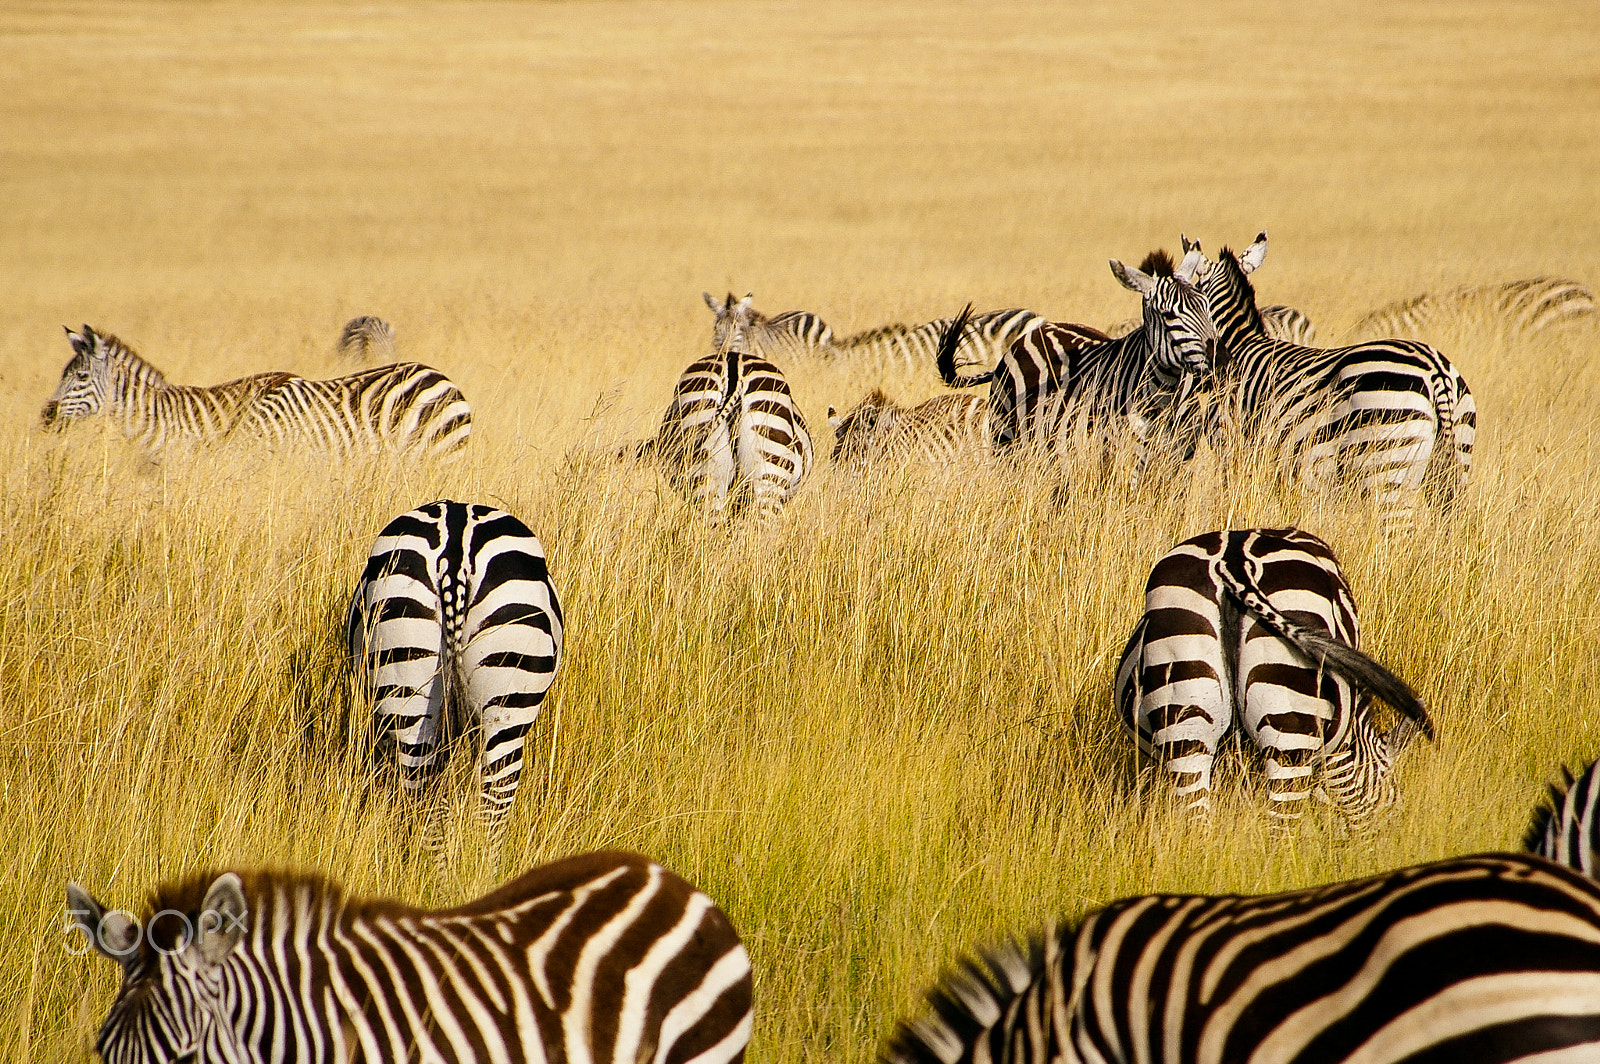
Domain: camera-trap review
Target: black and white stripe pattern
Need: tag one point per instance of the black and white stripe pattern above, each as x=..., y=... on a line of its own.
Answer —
x=367, y=339
x=605, y=958
x=794, y=334
x=1478, y=960
x=1280, y=322
x=401, y=407
x=984, y=339
x=1567, y=829
x=1256, y=629
x=943, y=430
x=454, y=625
x=1516, y=309
x=733, y=434
x=1390, y=418
x=1059, y=379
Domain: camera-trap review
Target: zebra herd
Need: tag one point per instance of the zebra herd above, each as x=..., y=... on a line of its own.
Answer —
x=454, y=627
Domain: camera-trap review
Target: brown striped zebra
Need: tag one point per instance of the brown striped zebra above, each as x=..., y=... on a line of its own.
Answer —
x=400, y=407
x=603, y=958
x=1518, y=309
x=945, y=429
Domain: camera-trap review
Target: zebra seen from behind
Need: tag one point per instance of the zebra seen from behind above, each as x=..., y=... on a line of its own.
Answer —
x=1476, y=960
x=1567, y=828
x=1390, y=418
x=732, y=434
x=367, y=338
x=1254, y=631
x=1060, y=378
x=455, y=627
x=943, y=430
x=1519, y=309
x=791, y=335
x=401, y=407
x=603, y=957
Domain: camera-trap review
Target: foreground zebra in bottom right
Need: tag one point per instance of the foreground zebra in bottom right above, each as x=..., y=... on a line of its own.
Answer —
x=1477, y=960
x=1257, y=628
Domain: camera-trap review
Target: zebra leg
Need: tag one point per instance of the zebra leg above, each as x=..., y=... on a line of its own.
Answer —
x=508, y=669
x=713, y=477
x=1286, y=716
x=1183, y=710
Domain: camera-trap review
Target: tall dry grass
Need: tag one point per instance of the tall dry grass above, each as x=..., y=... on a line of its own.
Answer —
x=878, y=731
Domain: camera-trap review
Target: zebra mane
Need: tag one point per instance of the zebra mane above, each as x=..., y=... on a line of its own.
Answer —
x=118, y=351
x=1545, y=813
x=967, y=1000
x=867, y=336
x=1158, y=263
x=1239, y=280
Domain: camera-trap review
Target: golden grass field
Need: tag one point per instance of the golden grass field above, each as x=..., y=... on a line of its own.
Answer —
x=879, y=731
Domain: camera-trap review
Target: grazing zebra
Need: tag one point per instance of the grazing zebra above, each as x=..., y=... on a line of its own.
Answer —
x=454, y=625
x=732, y=430
x=945, y=429
x=983, y=339
x=792, y=334
x=1392, y=418
x=1058, y=377
x=1567, y=830
x=1257, y=627
x=367, y=338
x=1521, y=308
x=1280, y=322
x=401, y=407
x=1476, y=960
x=600, y=957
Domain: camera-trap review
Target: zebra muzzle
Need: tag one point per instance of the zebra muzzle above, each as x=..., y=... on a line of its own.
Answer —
x=48, y=416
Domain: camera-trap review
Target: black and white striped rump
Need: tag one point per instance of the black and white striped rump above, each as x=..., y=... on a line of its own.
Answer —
x=733, y=435
x=454, y=627
x=1515, y=309
x=604, y=957
x=943, y=430
x=1255, y=630
x=404, y=407
x=1567, y=828
x=1478, y=960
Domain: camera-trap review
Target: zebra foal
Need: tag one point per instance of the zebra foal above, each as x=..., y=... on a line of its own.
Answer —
x=367, y=337
x=1478, y=960
x=604, y=957
x=1521, y=309
x=455, y=625
x=732, y=433
x=401, y=407
x=942, y=430
x=1255, y=629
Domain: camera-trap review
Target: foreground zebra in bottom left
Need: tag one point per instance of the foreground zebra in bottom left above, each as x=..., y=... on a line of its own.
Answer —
x=455, y=625
x=604, y=957
x=1477, y=960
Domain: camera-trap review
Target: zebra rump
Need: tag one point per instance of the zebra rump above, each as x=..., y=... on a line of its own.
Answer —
x=1566, y=828
x=598, y=957
x=1477, y=960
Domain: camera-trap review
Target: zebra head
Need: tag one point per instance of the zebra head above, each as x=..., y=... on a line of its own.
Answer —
x=85, y=383
x=367, y=337
x=861, y=432
x=1177, y=318
x=170, y=1007
x=733, y=322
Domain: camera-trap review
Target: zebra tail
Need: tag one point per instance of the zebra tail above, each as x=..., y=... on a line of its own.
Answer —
x=1342, y=658
x=948, y=343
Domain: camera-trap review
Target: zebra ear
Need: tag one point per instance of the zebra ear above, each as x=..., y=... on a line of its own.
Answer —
x=113, y=935
x=82, y=342
x=1193, y=265
x=716, y=308
x=1132, y=279
x=223, y=918
x=1253, y=255
x=744, y=304
x=1183, y=239
x=834, y=420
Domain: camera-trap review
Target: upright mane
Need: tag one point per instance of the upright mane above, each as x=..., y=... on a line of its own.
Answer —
x=1547, y=811
x=116, y=350
x=1239, y=281
x=1158, y=263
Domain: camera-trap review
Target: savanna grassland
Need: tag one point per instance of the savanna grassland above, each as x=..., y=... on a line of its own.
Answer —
x=879, y=731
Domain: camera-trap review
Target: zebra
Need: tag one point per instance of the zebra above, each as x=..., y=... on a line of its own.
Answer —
x=791, y=335
x=1476, y=960
x=400, y=407
x=1521, y=309
x=983, y=339
x=1392, y=418
x=367, y=338
x=454, y=624
x=944, y=429
x=597, y=957
x=733, y=431
x=1059, y=376
x=1257, y=627
x=1567, y=829
x=1279, y=321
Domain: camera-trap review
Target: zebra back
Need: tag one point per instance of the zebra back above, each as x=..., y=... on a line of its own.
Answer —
x=942, y=429
x=1566, y=828
x=1520, y=309
x=1456, y=960
x=981, y=339
x=599, y=957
